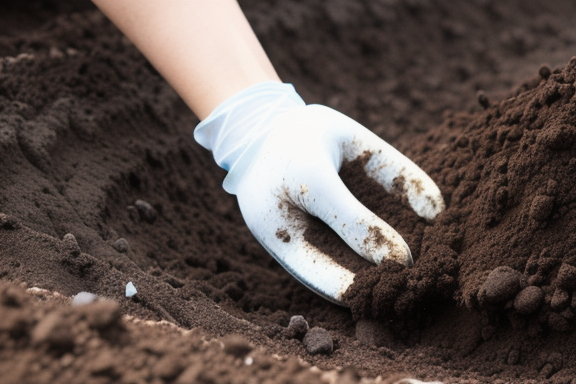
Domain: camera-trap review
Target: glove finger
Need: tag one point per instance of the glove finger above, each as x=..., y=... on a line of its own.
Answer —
x=327, y=198
x=279, y=228
x=396, y=173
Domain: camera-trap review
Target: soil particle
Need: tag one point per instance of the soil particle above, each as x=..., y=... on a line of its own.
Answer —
x=560, y=300
x=544, y=72
x=318, y=341
x=528, y=300
x=501, y=284
x=121, y=245
x=483, y=99
x=146, y=211
x=541, y=207
x=283, y=235
x=566, y=277
x=71, y=245
x=7, y=222
x=297, y=328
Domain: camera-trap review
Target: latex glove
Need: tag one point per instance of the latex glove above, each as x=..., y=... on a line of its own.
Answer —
x=283, y=159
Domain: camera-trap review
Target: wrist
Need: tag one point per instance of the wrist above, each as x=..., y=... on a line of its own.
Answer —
x=243, y=119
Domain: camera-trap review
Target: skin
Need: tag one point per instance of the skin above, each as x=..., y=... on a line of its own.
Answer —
x=205, y=49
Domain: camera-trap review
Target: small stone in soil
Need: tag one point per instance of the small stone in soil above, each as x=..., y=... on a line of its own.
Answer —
x=541, y=207
x=7, y=222
x=560, y=299
x=566, y=277
x=236, y=345
x=483, y=99
x=502, y=284
x=318, y=341
x=71, y=245
x=83, y=298
x=297, y=328
x=121, y=245
x=544, y=72
x=528, y=300
x=130, y=289
x=146, y=211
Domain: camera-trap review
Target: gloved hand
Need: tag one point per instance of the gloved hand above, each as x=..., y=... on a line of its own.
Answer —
x=283, y=159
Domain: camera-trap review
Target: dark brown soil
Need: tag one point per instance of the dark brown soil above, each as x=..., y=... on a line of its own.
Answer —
x=93, y=143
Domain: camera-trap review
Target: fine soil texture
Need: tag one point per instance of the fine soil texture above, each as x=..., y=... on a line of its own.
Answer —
x=101, y=184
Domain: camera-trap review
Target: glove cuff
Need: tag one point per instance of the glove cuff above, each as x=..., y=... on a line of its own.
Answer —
x=243, y=119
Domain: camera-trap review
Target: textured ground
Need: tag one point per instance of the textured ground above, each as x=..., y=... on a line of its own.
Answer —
x=88, y=130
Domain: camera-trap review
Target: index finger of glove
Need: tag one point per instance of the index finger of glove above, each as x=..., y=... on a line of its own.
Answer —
x=281, y=232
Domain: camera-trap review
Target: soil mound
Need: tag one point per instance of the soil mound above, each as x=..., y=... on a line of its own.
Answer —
x=505, y=241
x=45, y=340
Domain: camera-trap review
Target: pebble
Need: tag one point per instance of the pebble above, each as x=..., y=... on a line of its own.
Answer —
x=483, y=99
x=318, y=341
x=121, y=245
x=146, y=211
x=71, y=245
x=566, y=277
x=83, y=298
x=544, y=72
x=502, y=284
x=297, y=328
x=7, y=222
x=541, y=207
x=236, y=345
x=528, y=300
x=130, y=289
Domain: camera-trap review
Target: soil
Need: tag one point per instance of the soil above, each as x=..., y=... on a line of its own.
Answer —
x=101, y=183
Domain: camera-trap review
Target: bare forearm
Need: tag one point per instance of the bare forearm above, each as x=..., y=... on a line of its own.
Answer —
x=204, y=48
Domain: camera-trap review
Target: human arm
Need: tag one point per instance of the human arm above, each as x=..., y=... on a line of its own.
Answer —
x=205, y=49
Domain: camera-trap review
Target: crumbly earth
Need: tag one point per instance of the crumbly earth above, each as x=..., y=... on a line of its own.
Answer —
x=101, y=183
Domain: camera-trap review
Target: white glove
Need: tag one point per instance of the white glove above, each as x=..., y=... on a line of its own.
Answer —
x=283, y=159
